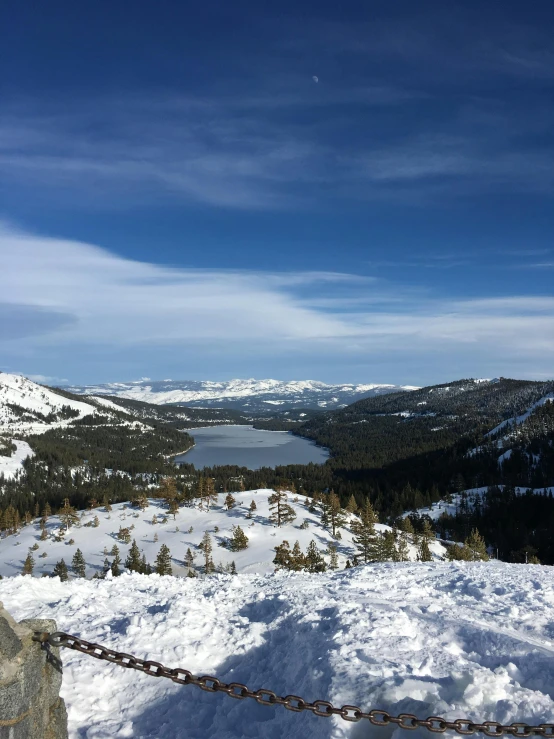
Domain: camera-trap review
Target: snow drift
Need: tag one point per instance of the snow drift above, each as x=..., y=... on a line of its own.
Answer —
x=471, y=640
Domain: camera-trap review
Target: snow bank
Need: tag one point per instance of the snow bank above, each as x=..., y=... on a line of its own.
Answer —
x=460, y=640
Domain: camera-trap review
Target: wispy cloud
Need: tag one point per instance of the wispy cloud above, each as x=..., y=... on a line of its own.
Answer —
x=111, y=303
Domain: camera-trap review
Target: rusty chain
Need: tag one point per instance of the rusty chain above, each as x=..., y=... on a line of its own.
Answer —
x=265, y=697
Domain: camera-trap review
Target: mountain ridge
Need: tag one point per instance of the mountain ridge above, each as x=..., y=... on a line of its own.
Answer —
x=244, y=394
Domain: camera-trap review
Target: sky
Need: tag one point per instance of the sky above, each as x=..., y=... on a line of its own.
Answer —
x=347, y=192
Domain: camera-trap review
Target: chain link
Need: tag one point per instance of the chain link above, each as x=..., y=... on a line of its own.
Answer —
x=295, y=703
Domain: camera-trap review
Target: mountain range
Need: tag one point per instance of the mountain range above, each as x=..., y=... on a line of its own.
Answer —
x=246, y=395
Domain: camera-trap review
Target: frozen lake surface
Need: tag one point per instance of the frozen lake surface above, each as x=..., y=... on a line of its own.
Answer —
x=249, y=447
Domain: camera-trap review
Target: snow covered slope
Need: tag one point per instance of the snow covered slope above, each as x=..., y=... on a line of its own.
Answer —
x=257, y=558
x=456, y=640
x=26, y=407
x=244, y=394
x=10, y=466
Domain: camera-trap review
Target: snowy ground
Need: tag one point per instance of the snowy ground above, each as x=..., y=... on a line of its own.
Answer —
x=257, y=558
x=457, y=640
x=10, y=466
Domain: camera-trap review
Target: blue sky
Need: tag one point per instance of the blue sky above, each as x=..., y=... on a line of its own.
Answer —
x=179, y=196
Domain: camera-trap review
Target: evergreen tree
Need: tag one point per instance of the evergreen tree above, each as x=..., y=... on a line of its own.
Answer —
x=96, y=522
x=146, y=568
x=78, y=564
x=189, y=559
x=403, y=553
x=477, y=549
x=116, y=562
x=314, y=560
x=239, y=540
x=233, y=568
x=60, y=570
x=163, y=561
x=133, y=560
x=167, y=490
x=337, y=517
x=297, y=558
x=229, y=501
x=282, y=559
x=251, y=509
x=68, y=515
x=364, y=536
x=124, y=535
x=207, y=550
x=281, y=511
x=333, y=557
x=423, y=552
x=106, y=504
x=47, y=512
x=352, y=506
x=43, y=532
x=387, y=548
x=173, y=507
x=28, y=565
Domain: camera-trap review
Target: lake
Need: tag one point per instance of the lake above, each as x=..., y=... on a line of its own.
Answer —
x=246, y=446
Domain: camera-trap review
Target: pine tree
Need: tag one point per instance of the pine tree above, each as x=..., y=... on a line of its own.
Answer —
x=28, y=565
x=282, y=559
x=173, y=507
x=352, y=506
x=364, y=536
x=233, y=568
x=423, y=552
x=167, y=490
x=314, y=560
x=229, y=501
x=37, y=510
x=208, y=494
x=207, y=550
x=146, y=569
x=189, y=559
x=124, y=535
x=387, y=548
x=68, y=514
x=60, y=570
x=116, y=562
x=333, y=557
x=337, y=517
x=403, y=553
x=96, y=522
x=47, y=512
x=239, y=540
x=297, y=558
x=78, y=564
x=43, y=532
x=133, y=561
x=106, y=504
x=163, y=561
x=281, y=511
x=477, y=549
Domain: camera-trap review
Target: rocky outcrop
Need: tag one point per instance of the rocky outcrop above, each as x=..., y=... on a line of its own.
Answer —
x=30, y=681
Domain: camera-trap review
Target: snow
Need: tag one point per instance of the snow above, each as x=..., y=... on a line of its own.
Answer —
x=458, y=639
x=10, y=466
x=17, y=390
x=257, y=558
x=194, y=391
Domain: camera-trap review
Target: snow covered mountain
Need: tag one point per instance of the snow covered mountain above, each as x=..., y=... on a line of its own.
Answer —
x=247, y=395
x=31, y=408
x=460, y=640
x=256, y=558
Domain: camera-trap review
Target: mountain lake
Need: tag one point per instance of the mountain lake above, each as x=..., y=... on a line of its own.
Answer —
x=248, y=447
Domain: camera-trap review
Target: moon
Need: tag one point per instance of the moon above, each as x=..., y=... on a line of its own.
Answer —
x=315, y=79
